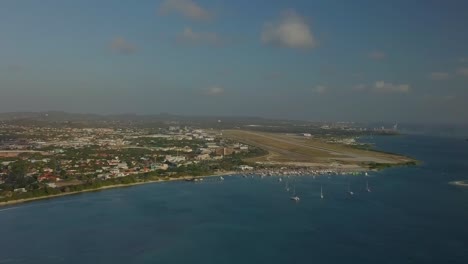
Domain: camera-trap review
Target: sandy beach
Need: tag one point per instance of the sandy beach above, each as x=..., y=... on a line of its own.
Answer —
x=182, y=178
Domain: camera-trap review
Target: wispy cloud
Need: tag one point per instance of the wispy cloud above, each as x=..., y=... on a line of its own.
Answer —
x=290, y=31
x=186, y=8
x=121, y=45
x=359, y=87
x=377, y=55
x=439, y=75
x=463, y=72
x=383, y=87
x=320, y=89
x=188, y=36
x=214, y=90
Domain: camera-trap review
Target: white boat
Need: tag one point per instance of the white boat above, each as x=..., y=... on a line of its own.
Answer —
x=295, y=197
x=367, y=174
x=349, y=190
x=321, y=192
x=367, y=187
x=280, y=180
x=287, y=187
x=221, y=178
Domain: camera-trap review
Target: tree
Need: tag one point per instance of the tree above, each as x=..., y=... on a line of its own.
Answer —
x=63, y=174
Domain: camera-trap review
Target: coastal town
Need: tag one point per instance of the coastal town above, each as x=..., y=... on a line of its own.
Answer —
x=58, y=158
x=52, y=159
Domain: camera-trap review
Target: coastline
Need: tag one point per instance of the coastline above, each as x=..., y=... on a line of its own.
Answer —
x=352, y=169
x=182, y=178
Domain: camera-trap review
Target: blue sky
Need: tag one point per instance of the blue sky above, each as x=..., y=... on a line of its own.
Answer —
x=314, y=60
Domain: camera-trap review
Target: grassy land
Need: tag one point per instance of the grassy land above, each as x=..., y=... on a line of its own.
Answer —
x=284, y=148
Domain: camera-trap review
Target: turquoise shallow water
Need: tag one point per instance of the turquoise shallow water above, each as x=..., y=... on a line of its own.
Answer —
x=411, y=216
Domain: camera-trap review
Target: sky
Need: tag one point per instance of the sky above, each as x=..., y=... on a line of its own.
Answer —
x=330, y=60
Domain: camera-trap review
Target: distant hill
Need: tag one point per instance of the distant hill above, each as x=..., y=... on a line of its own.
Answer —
x=57, y=118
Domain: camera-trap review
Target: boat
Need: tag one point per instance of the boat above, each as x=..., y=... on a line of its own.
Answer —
x=280, y=180
x=321, y=192
x=287, y=187
x=351, y=193
x=295, y=197
x=366, y=174
x=221, y=178
x=367, y=187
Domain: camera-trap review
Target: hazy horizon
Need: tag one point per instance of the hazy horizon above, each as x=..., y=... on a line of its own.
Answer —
x=361, y=61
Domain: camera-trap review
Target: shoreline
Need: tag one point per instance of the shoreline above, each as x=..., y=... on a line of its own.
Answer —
x=264, y=172
x=182, y=178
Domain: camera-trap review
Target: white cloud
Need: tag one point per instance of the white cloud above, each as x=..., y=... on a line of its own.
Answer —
x=439, y=75
x=121, y=45
x=381, y=86
x=186, y=8
x=463, y=72
x=377, y=55
x=214, y=90
x=290, y=31
x=188, y=36
x=320, y=89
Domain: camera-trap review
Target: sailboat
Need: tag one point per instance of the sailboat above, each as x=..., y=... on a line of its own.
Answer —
x=367, y=174
x=367, y=187
x=221, y=178
x=280, y=180
x=349, y=190
x=295, y=197
x=321, y=192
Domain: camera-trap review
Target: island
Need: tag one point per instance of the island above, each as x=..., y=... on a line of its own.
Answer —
x=45, y=155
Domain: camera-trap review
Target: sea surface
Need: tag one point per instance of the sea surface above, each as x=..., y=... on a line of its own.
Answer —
x=411, y=215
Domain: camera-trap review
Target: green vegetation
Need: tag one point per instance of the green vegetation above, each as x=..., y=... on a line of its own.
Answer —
x=46, y=191
x=381, y=166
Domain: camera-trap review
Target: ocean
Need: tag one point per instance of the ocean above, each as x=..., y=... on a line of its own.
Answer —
x=411, y=215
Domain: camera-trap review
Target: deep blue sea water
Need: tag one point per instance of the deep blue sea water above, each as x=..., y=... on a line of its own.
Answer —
x=412, y=215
